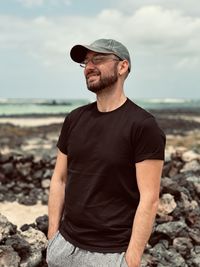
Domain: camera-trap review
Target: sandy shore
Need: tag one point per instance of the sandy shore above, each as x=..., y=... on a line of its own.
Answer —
x=44, y=121
x=20, y=214
x=32, y=122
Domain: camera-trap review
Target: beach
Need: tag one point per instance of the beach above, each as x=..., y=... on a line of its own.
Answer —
x=24, y=214
x=38, y=136
x=28, y=152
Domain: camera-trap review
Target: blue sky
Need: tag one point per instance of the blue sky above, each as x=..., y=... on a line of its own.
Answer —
x=163, y=38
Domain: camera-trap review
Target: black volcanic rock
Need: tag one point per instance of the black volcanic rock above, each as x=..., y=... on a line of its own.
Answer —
x=8, y=257
x=25, y=248
x=42, y=223
x=175, y=240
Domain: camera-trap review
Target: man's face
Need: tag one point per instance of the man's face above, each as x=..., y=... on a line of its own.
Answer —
x=100, y=71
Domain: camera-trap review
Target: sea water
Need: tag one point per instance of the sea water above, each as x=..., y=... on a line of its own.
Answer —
x=27, y=107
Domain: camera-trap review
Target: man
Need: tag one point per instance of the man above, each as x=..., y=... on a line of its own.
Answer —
x=105, y=187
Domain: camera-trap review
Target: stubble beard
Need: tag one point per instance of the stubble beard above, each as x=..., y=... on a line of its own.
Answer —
x=103, y=83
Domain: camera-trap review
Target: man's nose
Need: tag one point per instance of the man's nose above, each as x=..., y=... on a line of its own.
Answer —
x=89, y=64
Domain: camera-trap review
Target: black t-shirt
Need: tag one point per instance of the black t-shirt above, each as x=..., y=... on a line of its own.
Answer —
x=101, y=194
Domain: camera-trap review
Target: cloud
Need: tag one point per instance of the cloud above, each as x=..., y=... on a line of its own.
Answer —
x=148, y=30
x=38, y=3
x=155, y=26
x=31, y=3
x=188, y=63
x=185, y=6
x=163, y=38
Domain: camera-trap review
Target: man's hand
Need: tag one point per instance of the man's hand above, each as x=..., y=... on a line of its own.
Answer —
x=51, y=234
x=131, y=260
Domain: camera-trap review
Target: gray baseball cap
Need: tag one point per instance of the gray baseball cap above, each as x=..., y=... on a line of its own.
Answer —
x=105, y=46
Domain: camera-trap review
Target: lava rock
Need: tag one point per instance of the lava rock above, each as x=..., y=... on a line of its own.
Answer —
x=191, y=166
x=7, y=168
x=183, y=245
x=171, y=229
x=6, y=228
x=27, y=200
x=166, y=205
x=8, y=257
x=45, y=183
x=20, y=245
x=42, y=223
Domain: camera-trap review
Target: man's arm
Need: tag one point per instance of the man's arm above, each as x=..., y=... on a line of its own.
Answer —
x=57, y=193
x=148, y=173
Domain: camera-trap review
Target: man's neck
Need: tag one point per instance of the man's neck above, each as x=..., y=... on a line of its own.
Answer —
x=108, y=100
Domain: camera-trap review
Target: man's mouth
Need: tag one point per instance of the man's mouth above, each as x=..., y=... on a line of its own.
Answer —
x=92, y=76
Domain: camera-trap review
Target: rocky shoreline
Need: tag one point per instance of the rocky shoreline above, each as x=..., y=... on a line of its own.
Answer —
x=175, y=240
x=25, y=179
x=24, y=247
x=27, y=159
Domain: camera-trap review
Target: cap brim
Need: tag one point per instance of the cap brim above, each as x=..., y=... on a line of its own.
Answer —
x=78, y=52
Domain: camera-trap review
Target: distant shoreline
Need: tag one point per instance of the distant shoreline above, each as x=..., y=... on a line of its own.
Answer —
x=164, y=110
x=49, y=118
x=34, y=115
x=34, y=108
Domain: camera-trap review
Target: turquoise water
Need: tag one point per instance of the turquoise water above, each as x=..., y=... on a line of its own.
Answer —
x=12, y=107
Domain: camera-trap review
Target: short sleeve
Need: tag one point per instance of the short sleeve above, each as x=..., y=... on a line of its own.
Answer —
x=148, y=141
x=62, y=143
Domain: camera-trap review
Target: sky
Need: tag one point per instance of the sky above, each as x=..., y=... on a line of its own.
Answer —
x=163, y=38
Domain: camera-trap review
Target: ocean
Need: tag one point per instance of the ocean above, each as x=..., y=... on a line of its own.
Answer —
x=47, y=107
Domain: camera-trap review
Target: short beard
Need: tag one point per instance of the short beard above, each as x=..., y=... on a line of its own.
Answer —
x=104, y=82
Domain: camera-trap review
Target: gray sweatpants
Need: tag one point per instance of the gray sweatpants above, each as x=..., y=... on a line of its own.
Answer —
x=61, y=253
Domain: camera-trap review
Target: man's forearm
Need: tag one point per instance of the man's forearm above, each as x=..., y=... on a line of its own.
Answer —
x=55, y=205
x=141, y=231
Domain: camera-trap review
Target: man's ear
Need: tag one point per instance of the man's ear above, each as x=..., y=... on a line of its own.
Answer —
x=123, y=67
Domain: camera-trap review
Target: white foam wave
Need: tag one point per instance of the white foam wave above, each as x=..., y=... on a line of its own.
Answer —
x=167, y=100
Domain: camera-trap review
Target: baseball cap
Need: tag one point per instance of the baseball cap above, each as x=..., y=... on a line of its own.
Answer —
x=105, y=46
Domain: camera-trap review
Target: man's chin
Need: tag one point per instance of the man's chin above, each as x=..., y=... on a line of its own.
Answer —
x=93, y=86
x=94, y=89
